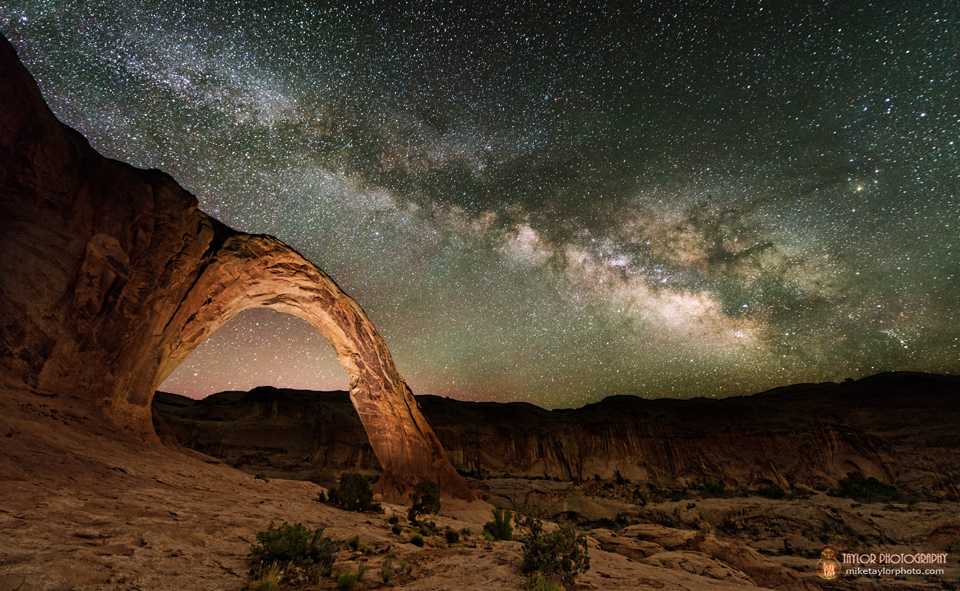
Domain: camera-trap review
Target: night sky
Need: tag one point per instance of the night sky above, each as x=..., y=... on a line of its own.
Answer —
x=552, y=204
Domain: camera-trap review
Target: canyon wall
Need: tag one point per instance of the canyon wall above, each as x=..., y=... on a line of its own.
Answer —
x=898, y=427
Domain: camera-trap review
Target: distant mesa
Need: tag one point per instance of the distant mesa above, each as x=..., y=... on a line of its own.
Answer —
x=110, y=276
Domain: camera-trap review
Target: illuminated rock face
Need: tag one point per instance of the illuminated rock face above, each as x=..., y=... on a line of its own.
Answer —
x=110, y=276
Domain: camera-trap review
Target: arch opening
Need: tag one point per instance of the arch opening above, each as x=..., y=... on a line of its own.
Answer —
x=259, y=347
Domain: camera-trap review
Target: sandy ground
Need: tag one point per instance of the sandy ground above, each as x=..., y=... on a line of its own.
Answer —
x=83, y=506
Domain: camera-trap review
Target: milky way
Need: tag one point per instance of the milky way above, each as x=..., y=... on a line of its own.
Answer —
x=558, y=204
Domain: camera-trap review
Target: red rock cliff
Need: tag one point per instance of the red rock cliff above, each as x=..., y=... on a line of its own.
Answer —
x=110, y=276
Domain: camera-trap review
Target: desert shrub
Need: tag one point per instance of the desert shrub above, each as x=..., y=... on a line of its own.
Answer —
x=354, y=494
x=466, y=531
x=529, y=513
x=286, y=543
x=530, y=517
x=428, y=528
x=347, y=580
x=416, y=539
x=560, y=555
x=386, y=570
x=393, y=520
x=354, y=542
x=298, y=551
x=537, y=583
x=426, y=499
x=451, y=536
x=322, y=497
x=869, y=490
x=500, y=528
x=396, y=530
x=620, y=479
x=771, y=491
x=267, y=580
x=261, y=476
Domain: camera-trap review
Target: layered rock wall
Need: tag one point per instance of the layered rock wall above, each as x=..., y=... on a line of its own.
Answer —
x=895, y=427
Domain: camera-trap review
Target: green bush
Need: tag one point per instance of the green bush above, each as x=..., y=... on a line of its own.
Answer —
x=285, y=543
x=267, y=580
x=559, y=555
x=354, y=494
x=347, y=580
x=393, y=520
x=451, y=535
x=531, y=517
x=428, y=528
x=417, y=540
x=301, y=553
x=396, y=530
x=500, y=528
x=354, y=542
x=386, y=570
x=537, y=583
x=426, y=500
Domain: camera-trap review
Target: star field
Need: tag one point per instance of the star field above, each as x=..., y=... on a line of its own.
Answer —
x=552, y=204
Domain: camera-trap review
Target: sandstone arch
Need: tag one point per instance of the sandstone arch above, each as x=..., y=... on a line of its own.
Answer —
x=261, y=271
x=110, y=276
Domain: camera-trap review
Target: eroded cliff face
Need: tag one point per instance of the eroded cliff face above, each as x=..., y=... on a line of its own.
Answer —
x=110, y=276
x=894, y=427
